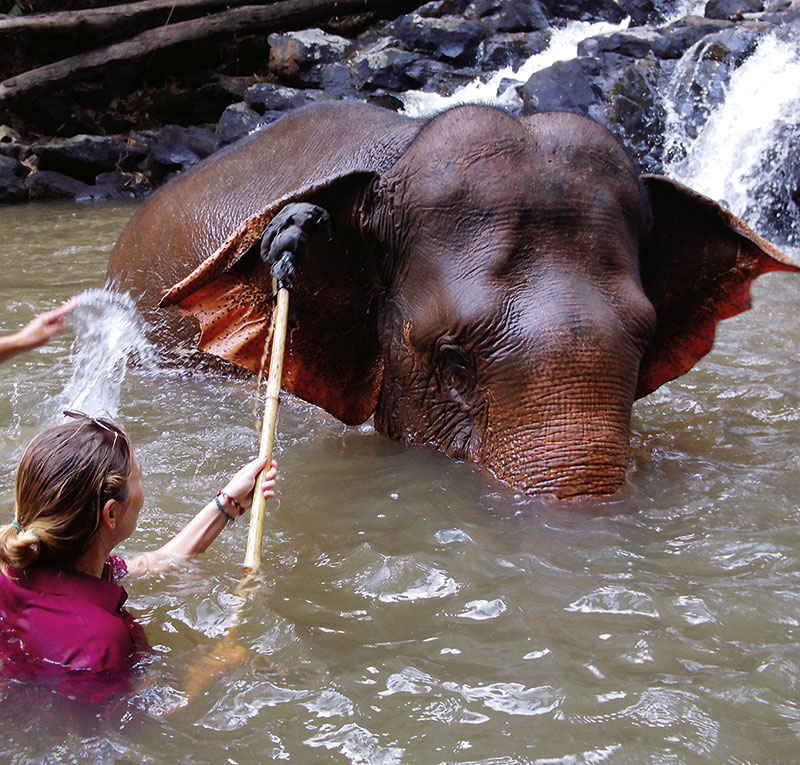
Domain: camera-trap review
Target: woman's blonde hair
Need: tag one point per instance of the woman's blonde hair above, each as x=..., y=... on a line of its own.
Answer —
x=64, y=478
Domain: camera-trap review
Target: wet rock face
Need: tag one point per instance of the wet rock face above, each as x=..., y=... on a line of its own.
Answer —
x=731, y=9
x=12, y=179
x=81, y=157
x=635, y=79
x=300, y=57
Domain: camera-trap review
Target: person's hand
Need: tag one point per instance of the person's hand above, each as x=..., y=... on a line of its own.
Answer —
x=46, y=325
x=240, y=487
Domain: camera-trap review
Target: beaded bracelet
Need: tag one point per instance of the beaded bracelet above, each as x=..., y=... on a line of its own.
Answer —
x=227, y=515
x=234, y=504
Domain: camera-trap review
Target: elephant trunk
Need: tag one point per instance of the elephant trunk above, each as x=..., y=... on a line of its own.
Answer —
x=566, y=434
x=566, y=454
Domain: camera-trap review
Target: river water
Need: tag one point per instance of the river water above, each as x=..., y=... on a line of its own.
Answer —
x=410, y=610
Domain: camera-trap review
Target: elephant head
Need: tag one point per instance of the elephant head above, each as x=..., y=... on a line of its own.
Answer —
x=500, y=289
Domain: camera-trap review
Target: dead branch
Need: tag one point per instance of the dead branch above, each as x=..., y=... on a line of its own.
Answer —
x=115, y=18
x=278, y=16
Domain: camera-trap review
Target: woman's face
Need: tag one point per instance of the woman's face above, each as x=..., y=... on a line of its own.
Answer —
x=129, y=515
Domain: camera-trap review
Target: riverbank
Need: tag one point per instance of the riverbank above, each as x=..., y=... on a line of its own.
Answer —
x=126, y=131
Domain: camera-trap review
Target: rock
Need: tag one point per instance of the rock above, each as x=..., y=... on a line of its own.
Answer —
x=633, y=43
x=174, y=148
x=8, y=135
x=511, y=49
x=565, y=86
x=585, y=10
x=385, y=66
x=508, y=15
x=699, y=82
x=81, y=157
x=450, y=38
x=679, y=36
x=669, y=42
x=298, y=57
x=12, y=180
x=232, y=86
x=114, y=185
x=11, y=144
x=17, y=151
x=237, y=121
x=643, y=12
x=731, y=9
x=429, y=72
x=267, y=96
x=335, y=82
x=49, y=184
x=633, y=109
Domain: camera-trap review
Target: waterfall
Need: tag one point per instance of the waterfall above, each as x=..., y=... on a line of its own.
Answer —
x=109, y=332
x=742, y=155
x=563, y=46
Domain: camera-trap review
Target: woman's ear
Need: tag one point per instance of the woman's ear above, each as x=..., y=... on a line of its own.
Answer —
x=110, y=515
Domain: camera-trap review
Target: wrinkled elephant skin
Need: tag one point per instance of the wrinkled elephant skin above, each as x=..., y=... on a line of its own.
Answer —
x=500, y=289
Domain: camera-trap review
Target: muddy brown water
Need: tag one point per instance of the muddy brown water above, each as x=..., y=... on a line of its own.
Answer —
x=411, y=610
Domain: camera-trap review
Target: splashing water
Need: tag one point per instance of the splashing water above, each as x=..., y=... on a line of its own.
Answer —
x=109, y=332
x=563, y=47
x=741, y=155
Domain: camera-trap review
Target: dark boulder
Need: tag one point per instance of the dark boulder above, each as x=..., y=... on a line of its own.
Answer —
x=668, y=42
x=699, y=82
x=300, y=57
x=508, y=15
x=731, y=9
x=114, y=185
x=269, y=97
x=173, y=148
x=512, y=49
x=383, y=65
x=632, y=108
x=237, y=121
x=12, y=180
x=585, y=10
x=11, y=144
x=566, y=86
x=48, y=184
x=81, y=157
x=450, y=38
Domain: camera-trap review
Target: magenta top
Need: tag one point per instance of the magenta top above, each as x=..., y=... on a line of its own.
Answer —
x=53, y=620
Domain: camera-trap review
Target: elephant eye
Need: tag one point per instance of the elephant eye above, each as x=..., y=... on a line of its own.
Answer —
x=456, y=367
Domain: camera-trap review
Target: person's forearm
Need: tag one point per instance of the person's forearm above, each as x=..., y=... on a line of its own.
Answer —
x=11, y=345
x=193, y=539
x=198, y=534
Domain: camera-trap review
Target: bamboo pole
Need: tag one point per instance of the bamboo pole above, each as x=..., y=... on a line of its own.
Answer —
x=252, y=558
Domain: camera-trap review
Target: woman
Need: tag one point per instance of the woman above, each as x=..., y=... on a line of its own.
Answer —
x=79, y=493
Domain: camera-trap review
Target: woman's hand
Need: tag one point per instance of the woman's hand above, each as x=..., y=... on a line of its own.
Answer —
x=240, y=487
x=47, y=324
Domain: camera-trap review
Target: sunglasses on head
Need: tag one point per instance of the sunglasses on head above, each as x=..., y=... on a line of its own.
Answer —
x=102, y=424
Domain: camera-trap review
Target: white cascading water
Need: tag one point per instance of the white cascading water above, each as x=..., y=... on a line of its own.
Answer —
x=563, y=47
x=109, y=332
x=739, y=154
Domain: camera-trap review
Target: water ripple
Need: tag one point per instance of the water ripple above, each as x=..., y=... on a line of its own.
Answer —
x=614, y=599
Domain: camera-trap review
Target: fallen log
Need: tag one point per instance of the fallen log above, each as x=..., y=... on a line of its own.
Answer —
x=278, y=16
x=112, y=19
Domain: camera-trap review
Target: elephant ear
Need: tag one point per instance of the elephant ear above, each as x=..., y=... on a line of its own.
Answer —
x=327, y=154
x=697, y=263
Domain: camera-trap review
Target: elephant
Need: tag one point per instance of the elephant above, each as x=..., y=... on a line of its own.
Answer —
x=499, y=288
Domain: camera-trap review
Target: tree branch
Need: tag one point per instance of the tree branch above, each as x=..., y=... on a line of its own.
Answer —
x=282, y=15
